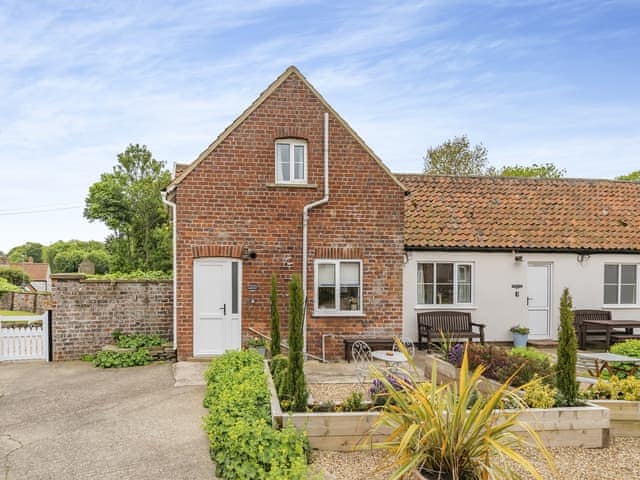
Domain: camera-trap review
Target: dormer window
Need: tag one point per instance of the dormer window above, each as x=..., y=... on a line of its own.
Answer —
x=291, y=161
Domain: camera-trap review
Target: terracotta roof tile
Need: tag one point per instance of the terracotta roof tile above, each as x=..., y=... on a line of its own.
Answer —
x=36, y=271
x=521, y=213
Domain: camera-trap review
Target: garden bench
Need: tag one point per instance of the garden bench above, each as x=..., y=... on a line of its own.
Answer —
x=447, y=325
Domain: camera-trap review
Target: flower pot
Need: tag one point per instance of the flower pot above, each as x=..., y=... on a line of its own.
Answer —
x=520, y=339
x=261, y=349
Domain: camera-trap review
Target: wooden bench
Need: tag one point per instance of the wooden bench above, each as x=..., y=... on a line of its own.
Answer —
x=376, y=343
x=447, y=325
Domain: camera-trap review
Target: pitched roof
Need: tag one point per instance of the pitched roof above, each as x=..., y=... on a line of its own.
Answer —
x=37, y=271
x=292, y=70
x=521, y=213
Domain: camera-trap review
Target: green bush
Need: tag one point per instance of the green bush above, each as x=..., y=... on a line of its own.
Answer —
x=135, y=275
x=538, y=395
x=567, y=353
x=111, y=359
x=615, y=389
x=14, y=276
x=138, y=341
x=295, y=391
x=630, y=348
x=275, y=318
x=279, y=371
x=6, y=286
x=244, y=445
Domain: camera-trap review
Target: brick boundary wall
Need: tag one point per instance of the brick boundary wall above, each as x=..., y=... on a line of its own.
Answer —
x=27, y=302
x=87, y=311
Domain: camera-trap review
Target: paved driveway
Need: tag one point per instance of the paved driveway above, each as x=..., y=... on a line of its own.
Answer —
x=72, y=421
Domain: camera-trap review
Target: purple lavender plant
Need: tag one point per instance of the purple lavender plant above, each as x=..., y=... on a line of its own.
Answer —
x=455, y=354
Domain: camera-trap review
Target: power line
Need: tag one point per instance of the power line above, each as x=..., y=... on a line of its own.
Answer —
x=39, y=210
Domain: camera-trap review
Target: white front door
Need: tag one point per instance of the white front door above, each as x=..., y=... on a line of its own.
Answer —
x=539, y=299
x=216, y=306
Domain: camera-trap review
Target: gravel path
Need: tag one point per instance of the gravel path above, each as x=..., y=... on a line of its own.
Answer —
x=336, y=392
x=621, y=461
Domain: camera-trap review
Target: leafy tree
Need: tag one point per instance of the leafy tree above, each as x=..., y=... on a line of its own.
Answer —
x=567, y=352
x=456, y=157
x=68, y=261
x=72, y=252
x=296, y=388
x=275, y=318
x=15, y=276
x=21, y=253
x=632, y=177
x=128, y=201
x=543, y=170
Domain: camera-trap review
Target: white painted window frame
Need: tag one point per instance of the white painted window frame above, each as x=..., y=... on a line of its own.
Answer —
x=317, y=312
x=455, y=304
x=292, y=143
x=619, y=285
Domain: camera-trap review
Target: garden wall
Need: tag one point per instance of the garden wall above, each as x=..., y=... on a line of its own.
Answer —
x=25, y=301
x=87, y=311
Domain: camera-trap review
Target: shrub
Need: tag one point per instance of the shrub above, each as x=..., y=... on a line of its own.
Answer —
x=615, y=389
x=538, y=395
x=296, y=390
x=279, y=371
x=244, y=445
x=353, y=403
x=6, y=286
x=137, y=341
x=135, y=275
x=14, y=276
x=275, y=318
x=567, y=353
x=111, y=359
x=444, y=432
x=631, y=348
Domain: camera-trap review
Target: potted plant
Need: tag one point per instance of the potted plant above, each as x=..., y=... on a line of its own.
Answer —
x=259, y=344
x=520, y=335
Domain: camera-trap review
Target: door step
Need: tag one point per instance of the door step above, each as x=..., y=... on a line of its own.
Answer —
x=546, y=343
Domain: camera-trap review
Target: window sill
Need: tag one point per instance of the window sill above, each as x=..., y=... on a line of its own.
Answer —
x=446, y=307
x=621, y=307
x=317, y=314
x=291, y=185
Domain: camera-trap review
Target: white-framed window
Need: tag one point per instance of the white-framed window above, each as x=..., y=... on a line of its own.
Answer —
x=445, y=283
x=291, y=161
x=338, y=287
x=620, y=284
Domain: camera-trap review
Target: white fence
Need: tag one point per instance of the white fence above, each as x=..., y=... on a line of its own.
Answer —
x=24, y=343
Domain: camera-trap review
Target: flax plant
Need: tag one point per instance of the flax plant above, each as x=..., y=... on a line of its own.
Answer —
x=451, y=431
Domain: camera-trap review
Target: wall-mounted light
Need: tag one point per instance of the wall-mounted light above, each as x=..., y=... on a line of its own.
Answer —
x=405, y=257
x=583, y=257
x=516, y=257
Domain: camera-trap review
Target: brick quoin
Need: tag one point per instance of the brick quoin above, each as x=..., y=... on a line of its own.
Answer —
x=228, y=203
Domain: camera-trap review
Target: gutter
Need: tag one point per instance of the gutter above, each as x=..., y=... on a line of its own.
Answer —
x=305, y=223
x=171, y=204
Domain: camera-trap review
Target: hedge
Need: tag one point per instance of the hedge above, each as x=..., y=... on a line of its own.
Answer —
x=244, y=445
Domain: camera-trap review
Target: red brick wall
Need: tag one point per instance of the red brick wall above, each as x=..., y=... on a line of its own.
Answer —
x=227, y=201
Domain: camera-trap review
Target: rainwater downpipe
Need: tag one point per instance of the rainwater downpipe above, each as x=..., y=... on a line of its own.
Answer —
x=305, y=222
x=175, y=271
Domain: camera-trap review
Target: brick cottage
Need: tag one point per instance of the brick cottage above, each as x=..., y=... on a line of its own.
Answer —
x=287, y=188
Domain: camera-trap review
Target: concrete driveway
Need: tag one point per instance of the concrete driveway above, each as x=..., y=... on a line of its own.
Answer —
x=70, y=420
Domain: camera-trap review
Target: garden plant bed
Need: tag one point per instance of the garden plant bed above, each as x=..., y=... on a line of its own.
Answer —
x=164, y=352
x=624, y=416
x=587, y=426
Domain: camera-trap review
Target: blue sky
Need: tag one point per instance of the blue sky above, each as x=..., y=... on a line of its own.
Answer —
x=536, y=81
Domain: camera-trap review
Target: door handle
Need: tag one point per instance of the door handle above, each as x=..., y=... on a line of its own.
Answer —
x=528, y=300
x=224, y=309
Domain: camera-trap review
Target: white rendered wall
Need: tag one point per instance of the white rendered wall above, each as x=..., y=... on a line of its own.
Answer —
x=494, y=300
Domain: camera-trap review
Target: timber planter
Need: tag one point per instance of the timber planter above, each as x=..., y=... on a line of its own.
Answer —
x=624, y=416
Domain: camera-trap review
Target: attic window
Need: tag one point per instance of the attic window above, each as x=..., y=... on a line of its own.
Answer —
x=291, y=161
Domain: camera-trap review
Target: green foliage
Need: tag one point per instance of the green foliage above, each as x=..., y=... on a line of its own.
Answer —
x=135, y=275
x=630, y=348
x=111, y=359
x=630, y=177
x=68, y=261
x=615, y=389
x=456, y=157
x=543, y=170
x=279, y=371
x=65, y=257
x=450, y=431
x=15, y=276
x=275, y=317
x=88, y=357
x=127, y=200
x=6, y=286
x=21, y=253
x=567, y=352
x=138, y=341
x=244, y=445
x=537, y=394
x=296, y=390
x=353, y=403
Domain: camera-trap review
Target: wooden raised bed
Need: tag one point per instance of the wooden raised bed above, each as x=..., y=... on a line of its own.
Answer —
x=624, y=416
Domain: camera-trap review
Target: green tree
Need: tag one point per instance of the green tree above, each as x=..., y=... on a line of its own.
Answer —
x=456, y=157
x=567, y=352
x=296, y=388
x=73, y=252
x=21, y=253
x=68, y=261
x=275, y=318
x=631, y=177
x=128, y=201
x=543, y=170
x=15, y=276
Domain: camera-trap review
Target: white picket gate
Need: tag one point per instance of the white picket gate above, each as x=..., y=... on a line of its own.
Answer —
x=24, y=343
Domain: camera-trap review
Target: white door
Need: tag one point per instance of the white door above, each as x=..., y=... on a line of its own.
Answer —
x=539, y=299
x=216, y=306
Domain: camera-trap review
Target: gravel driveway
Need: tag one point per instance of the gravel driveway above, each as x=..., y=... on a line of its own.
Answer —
x=70, y=420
